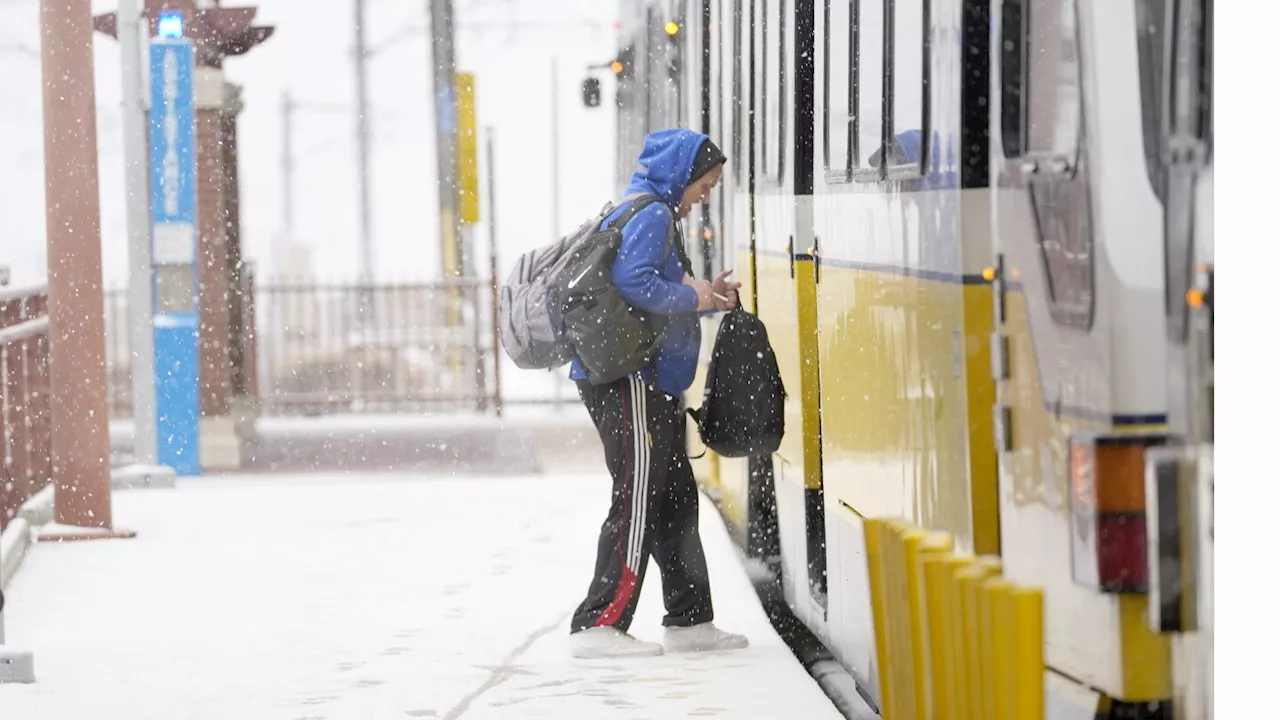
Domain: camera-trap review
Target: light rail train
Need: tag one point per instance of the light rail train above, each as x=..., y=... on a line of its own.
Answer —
x=980, y=234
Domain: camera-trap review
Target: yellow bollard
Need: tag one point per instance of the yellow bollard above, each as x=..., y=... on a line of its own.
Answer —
x=900, y=655
x=976, y=673
x=998, y=634
x=936, y=544
x=874, y=532
x=944, y=615
x=1028, y=654
x=962, y=670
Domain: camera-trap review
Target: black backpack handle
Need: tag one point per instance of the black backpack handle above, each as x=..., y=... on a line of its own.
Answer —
x=696, y=414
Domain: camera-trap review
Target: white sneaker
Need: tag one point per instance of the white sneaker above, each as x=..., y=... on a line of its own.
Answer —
x=702, y=637
x=609, y=642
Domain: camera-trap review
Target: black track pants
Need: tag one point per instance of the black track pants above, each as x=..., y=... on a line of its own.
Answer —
x=654, y=509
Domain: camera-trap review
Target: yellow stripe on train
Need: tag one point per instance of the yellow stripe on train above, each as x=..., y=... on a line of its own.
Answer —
x=954, y=639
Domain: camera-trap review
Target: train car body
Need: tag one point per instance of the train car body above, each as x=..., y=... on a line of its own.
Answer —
x=1176, y=57
x=954, y=216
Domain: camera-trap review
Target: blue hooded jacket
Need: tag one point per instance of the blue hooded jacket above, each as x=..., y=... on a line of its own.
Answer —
x=642, y=277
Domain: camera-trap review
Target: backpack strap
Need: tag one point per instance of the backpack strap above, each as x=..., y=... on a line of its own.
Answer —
x=685, y=262
x=640, y=201
x=635, y=203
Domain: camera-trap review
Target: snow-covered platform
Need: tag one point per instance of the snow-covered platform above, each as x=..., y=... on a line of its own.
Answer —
x=527, y=440
x=345, y=597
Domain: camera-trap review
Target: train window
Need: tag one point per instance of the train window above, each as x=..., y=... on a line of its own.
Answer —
x=1152, y=31
x=718, y=49
x=910, y=85
x=1040, y=118
x=766, y=56
x=1041, y=97
x=1059, y=190
x=738, y=99
x=870, y=89
x=774, y=80
x=1013, y=115
x=1053, y=91
x=771, y=33
x=837, y=87
x=1190, y=60
x=1206, y=75
x=1185, y=145
x=689, y=63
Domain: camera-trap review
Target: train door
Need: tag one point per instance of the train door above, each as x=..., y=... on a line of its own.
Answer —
x=1175, y=41
x=719, y=237
x=707, y=33
x=782, y=301
x=1078, y=296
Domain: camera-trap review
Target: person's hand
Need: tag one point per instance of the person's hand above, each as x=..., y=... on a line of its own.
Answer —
x=726, y=289
x=706, y=300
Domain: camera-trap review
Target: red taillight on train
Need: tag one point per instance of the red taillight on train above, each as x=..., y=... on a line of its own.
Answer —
x=1108, y=511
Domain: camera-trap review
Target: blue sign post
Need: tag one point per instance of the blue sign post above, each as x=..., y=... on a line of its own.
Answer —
x=173, y=247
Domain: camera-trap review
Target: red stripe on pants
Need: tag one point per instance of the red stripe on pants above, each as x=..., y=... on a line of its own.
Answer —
x=626, y=586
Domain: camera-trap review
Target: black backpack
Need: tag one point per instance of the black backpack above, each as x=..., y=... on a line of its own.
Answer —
x=743, y=402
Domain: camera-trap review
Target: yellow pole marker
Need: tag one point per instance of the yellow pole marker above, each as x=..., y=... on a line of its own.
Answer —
x=468, y=150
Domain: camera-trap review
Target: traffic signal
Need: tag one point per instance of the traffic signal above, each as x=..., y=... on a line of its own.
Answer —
x=591, y=92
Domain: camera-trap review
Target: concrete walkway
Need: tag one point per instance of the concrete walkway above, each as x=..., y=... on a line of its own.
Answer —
x=343, y=597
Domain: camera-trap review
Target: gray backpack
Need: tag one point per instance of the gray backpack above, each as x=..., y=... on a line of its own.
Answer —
x=560, y=303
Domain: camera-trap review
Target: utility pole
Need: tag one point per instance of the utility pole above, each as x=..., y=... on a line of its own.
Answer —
x=287, y=108
x=445, y=95
x=494, y=299
x=444, y=92
x=555, y=187
x=362, y=143
x=364, y=313
x=137, y=195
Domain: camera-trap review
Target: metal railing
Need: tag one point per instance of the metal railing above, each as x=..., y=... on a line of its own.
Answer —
x=115, y=306
x=25, y=422
x=320, y=348
x=418, y=347
x=243, y=348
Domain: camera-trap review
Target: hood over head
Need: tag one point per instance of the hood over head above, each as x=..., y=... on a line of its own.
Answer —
x=666, y=163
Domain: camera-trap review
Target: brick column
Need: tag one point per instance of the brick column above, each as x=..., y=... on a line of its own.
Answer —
x=244, y=405
x=219, y=445
x=77, y=356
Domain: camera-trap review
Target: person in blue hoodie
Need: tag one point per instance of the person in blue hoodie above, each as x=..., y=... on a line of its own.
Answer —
x=641, y=419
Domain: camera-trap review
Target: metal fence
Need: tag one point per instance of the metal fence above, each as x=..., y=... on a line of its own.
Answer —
x=321, y=348
x=25, y=422
x=115, y=305
x=119, y=350
x=386, y=348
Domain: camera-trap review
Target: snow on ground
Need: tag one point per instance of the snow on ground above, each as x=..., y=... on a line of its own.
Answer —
x=332, y=597
x=573, y=412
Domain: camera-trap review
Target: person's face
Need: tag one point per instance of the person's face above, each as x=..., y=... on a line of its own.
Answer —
x=700, y=191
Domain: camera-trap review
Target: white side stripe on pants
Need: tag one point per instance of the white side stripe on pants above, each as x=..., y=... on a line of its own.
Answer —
x=640, y=474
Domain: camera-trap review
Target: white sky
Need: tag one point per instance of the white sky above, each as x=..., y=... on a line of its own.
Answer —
x=507, y=43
